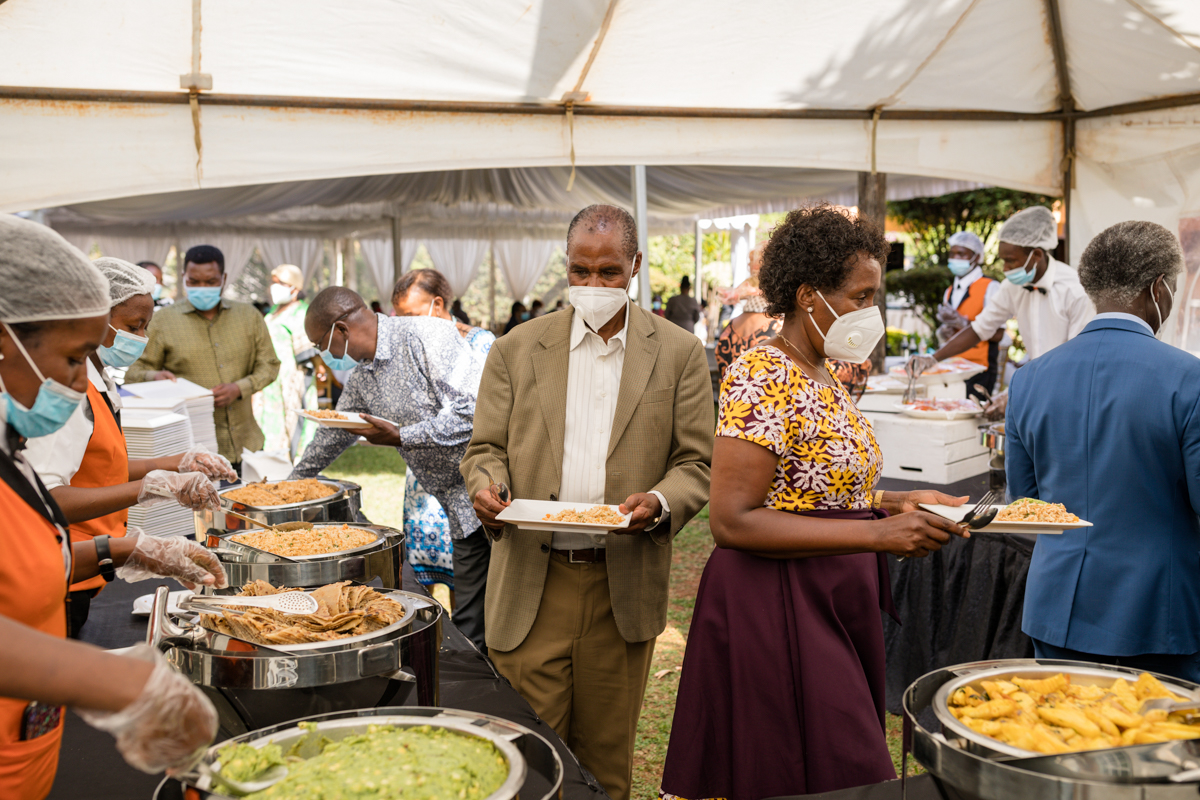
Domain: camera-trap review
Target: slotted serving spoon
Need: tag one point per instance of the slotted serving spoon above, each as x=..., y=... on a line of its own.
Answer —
x=284, y=602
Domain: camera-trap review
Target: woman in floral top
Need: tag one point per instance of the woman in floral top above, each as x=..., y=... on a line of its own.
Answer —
x=782, y=691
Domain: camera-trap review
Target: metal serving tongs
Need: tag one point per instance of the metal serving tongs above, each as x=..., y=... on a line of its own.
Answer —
x=285, y=602
x=501, y=490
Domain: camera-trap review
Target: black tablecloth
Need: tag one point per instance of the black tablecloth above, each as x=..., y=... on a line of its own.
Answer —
x=91, y=769
x=960, y=604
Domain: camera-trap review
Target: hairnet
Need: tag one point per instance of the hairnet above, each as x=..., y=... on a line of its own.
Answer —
x=1031, y=227
x=968, y=240
x=125, y=280
x=43, y=277
x=289, y=274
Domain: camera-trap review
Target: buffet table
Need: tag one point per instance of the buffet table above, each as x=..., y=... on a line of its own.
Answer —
x=91, y=768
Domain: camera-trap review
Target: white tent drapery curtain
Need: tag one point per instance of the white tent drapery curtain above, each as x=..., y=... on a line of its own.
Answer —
x=458, y=260
x=378, y=255
x=303, y=252
x=236, y=248
x=522, y=261
x=136, y=248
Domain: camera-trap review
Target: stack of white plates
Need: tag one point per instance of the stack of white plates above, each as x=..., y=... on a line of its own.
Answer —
x=197, y=403
x=204, y=430
x=166, y=519
x=151, y=434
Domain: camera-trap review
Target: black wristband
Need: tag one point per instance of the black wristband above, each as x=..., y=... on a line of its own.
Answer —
x=104, y=559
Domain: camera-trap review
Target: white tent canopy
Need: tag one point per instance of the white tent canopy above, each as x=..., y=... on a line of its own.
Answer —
x=1007, y=92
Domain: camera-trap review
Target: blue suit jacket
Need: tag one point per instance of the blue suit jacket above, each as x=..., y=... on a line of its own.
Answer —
x=1107, y=424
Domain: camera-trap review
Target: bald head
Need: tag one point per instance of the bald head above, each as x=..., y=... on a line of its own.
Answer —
x=604, y=219
x=332, y=304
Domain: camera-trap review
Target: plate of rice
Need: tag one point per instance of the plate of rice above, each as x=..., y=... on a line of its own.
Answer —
x=338, y=419
x=547, y=515
x=1025, y=515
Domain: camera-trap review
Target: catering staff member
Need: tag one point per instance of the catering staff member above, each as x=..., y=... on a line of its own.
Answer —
x=1044, y=294
x=1109, y=426
x=85, y=464
x=53, y=312
x=965, y=300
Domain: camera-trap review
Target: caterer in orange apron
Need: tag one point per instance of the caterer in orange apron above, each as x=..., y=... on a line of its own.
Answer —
x=85, y=464
x=967, y=296
x=53, y=314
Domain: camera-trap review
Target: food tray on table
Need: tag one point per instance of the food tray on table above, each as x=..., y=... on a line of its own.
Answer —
x=952, y=370
x=531, y=515
x=345, y=419
x=941, y=408
x=956, y=513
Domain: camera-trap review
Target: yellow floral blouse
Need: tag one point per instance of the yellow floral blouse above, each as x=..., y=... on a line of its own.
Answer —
x=828, y=456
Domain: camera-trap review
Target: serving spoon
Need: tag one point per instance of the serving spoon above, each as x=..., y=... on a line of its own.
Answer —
x=264, y=780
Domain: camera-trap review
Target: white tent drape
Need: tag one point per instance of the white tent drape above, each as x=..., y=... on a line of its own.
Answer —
x=236, y=248
x=136, y=248
x=378, y=255
x=305, y=253
x=458, y=260
x=522, y=261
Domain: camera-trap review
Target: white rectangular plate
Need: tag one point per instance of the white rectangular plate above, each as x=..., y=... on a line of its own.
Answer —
x=351, y=420
x=530, y=515
x=956, y=513
x=943, y=415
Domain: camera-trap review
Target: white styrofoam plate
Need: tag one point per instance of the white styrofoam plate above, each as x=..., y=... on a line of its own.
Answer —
x=956, y=513
x=351, y=420
x=942, y=415
x=531, y=515
x=957, y=369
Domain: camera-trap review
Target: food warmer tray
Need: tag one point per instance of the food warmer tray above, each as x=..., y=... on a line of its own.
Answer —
x=342, y=506
x=971, y=766
x=382, y=559
x=253, y=685
x=536, y=771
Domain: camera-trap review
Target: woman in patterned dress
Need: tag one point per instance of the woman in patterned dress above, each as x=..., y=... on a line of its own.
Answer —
x=426, y=292
x=782, y=691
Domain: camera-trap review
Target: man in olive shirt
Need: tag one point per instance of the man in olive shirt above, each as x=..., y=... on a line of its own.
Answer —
x=219, y=344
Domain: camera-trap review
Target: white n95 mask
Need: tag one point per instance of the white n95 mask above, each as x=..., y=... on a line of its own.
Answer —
x=852, y=337
x=597, y=304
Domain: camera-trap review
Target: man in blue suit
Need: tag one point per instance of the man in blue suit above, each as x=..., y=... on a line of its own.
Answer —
x=1108, y=424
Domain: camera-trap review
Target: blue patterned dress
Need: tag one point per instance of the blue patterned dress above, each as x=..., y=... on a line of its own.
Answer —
x=426, y=528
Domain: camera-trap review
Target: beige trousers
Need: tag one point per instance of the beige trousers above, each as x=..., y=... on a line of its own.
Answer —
x=579, y=675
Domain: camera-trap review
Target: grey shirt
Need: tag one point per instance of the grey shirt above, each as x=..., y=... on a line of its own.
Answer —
x=425, y=379
x=684, y=311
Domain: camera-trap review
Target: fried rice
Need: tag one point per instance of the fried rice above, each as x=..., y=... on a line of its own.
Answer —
x=264, y=495
x=315, y=542
x=1029, y=510
x=597, y=515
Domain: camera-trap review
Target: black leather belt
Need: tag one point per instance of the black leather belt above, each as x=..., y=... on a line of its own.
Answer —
x=593, y=555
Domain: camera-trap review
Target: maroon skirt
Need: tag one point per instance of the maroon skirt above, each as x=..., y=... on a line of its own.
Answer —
x=782, y=690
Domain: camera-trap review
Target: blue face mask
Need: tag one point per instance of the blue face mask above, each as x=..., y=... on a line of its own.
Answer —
x=54, y=405
x=156, y=292
x=126, y=349
x=344, y=361
x=1022, y=275
x=960, y=266
x=204, y=298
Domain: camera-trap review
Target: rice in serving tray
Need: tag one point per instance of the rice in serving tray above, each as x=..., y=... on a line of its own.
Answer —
x=315, y=542
x=344, y=611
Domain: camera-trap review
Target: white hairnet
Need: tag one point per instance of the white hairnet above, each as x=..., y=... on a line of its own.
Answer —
x=1031, y=227
x=968, y=240
x=125, y=280
x=43, y=277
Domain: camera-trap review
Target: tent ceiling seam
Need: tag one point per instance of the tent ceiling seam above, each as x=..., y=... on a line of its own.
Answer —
x=895, y=95
x=1163, y=23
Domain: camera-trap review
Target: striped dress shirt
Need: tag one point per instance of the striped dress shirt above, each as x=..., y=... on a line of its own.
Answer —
x=593, y=383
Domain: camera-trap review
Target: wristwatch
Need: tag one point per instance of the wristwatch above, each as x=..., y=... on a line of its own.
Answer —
x=104, y=558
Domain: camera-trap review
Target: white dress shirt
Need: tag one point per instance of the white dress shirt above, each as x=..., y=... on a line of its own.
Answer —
x=57, y=457
x=1046, y=318
x=593, y=383
x=960, y=287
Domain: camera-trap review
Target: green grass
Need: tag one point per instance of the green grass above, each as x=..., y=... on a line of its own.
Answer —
x=380, y=471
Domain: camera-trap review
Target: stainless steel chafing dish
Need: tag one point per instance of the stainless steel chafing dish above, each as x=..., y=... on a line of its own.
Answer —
x=342, y=506
x=381, y=559
x=535, y=769
x=967, y=764
x=256, y=685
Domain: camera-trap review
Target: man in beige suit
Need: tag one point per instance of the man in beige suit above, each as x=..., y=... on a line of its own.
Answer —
x=602, y=402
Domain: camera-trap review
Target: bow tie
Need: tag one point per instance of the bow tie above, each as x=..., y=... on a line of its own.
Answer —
x=1034, y=289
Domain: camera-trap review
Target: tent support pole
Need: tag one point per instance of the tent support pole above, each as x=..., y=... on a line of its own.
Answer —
x=637, y=176
x=872, y=205
x=699, y=262
x=397, y=254
x=1066, y=99
x=492, y=288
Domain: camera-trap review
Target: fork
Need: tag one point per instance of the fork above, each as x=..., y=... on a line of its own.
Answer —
x=969, y=519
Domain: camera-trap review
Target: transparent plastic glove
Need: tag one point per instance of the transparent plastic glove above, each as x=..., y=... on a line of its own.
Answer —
x=996, y=408
x=167, y=727
x=947, y=331
x=175, y=557
x=214, y=465
x=193, y=490
x=918, y=364
x=948, y=313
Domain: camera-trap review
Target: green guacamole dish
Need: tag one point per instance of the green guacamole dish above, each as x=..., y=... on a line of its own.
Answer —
x=420, y=763
x=241, y=762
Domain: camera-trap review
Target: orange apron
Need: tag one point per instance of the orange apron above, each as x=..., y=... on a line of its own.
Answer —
x=970, y=307
x=32, y=590
x=105, y=463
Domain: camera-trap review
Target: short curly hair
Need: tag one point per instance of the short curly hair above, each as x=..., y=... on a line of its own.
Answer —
x=817, y=245
x=1124, y=259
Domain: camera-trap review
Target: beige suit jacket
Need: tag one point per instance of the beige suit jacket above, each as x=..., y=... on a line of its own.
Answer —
x=662, y=437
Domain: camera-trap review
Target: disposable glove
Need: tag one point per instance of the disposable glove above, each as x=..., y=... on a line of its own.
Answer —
x=191, y=489
x=167, y=727
x=995, y=409
x=200, y=459
x=918, y=364
x=175, y=557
